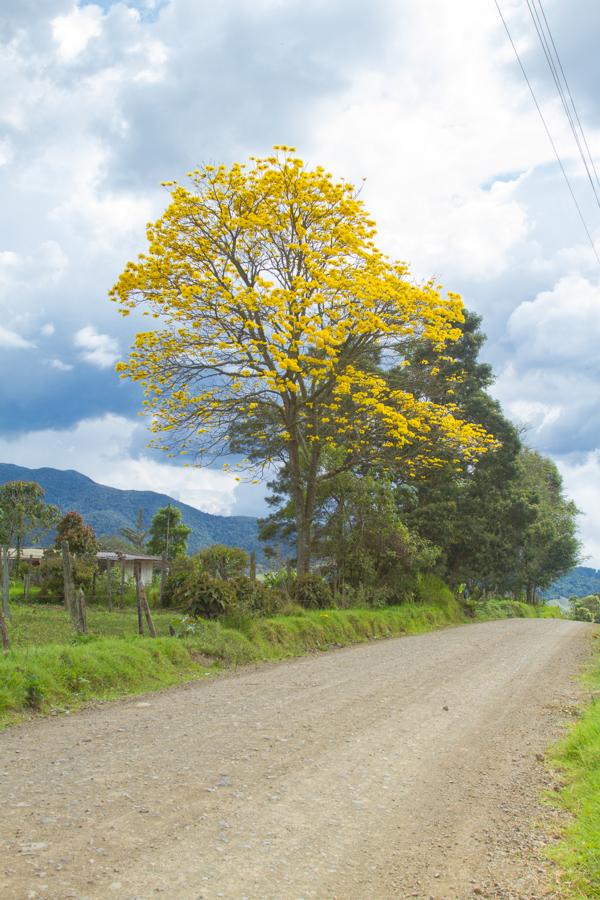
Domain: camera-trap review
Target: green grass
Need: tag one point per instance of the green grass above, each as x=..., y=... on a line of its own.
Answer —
x=515, y=609
x=50, y=666
x=39, y=624
x=577, y=757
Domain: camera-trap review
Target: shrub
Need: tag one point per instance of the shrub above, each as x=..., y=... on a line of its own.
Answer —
x=222, y=561
x=311, y=592
x=213, y=597
x=52, y=586
x=179, y=590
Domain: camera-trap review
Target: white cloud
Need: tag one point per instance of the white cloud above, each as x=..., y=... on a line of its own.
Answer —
x=559, y=326
x=60, y=365
x=97, y=349
x=13, y=341
x=101, y=449
x=48, y=329
x=582, y=482
x=74, y=31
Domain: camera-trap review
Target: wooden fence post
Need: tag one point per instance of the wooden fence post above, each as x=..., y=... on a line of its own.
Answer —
x=4, y=632
x=5, y=582
x=122, y=598
x=26, y=585
x=137, y=567
x=146, y=608
x=109, y=586
x=69, y=584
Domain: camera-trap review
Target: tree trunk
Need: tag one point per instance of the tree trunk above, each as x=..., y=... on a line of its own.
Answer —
x=94, y=586
x=69, y=584
x=304, y=489
x=252, y=567
x=5, y=583
x=26, y=585
x=146, y=608
x=530, y=594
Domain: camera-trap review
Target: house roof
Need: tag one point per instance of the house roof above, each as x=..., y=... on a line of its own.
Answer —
x=127, y=557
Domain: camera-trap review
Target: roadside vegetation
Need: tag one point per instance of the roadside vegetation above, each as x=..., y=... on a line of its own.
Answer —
x=52, y=667
x=285, y=343
x=577, y=759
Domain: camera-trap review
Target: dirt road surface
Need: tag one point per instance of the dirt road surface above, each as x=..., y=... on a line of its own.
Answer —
x=401, y=768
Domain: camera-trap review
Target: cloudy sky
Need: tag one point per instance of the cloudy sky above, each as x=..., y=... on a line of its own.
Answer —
x=101, y=101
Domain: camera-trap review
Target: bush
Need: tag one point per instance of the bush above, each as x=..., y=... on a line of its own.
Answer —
x=213, y=597
x=179, y=590
x=52, y=588
x=311, y=592
x=224, y=562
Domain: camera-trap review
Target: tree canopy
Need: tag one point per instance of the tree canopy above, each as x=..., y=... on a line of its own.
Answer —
x=81, y=537
x=23, y=512
x=168, y=533
x=278, y=322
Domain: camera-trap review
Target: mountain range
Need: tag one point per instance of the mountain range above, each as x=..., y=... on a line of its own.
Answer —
x=109, y=509
x=579, y=582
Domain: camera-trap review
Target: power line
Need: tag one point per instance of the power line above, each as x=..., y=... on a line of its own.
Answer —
x=569, y=92
x=553, y=65
x=547, y=130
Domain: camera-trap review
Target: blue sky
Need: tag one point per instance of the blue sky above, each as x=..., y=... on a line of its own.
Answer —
x=424, y=100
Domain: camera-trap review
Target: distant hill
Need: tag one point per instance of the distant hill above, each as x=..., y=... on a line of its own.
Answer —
x=109, y=509
x=579, y=582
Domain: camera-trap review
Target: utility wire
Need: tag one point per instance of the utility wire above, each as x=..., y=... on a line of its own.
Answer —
x=547, y=130
x=552, y=65
x=566, y=83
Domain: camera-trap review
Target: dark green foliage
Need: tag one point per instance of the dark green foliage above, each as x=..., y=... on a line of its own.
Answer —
x=24, y=513
x=224, y=562
x=51, y=577
x=168, y=533
x=213, y=597
x=108, y=510
x=311, y=592
x=191, y=588
x=180, y=584
x=586, y=609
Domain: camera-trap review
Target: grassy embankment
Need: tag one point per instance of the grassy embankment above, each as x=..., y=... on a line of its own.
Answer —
x=48, y=667
x=577, y=757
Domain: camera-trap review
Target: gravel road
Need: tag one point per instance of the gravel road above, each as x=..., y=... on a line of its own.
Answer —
x=402, y=768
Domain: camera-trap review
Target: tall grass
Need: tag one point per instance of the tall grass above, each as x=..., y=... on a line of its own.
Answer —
x=577, y=757
x=49, y=666
x=54, y=673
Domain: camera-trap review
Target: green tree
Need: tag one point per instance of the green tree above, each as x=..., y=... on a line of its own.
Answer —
x=224, y=562
x=137, y=535
x=473, y=513
x=24, y=513
x=549, y=546
x=80, y=536
x=168, y=533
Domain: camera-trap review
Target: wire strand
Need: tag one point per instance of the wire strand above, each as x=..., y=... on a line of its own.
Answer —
x=564, y=77
x=547, y=130
x=537, y=22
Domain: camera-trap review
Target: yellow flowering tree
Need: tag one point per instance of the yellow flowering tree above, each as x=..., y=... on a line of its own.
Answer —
x=275, y=316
